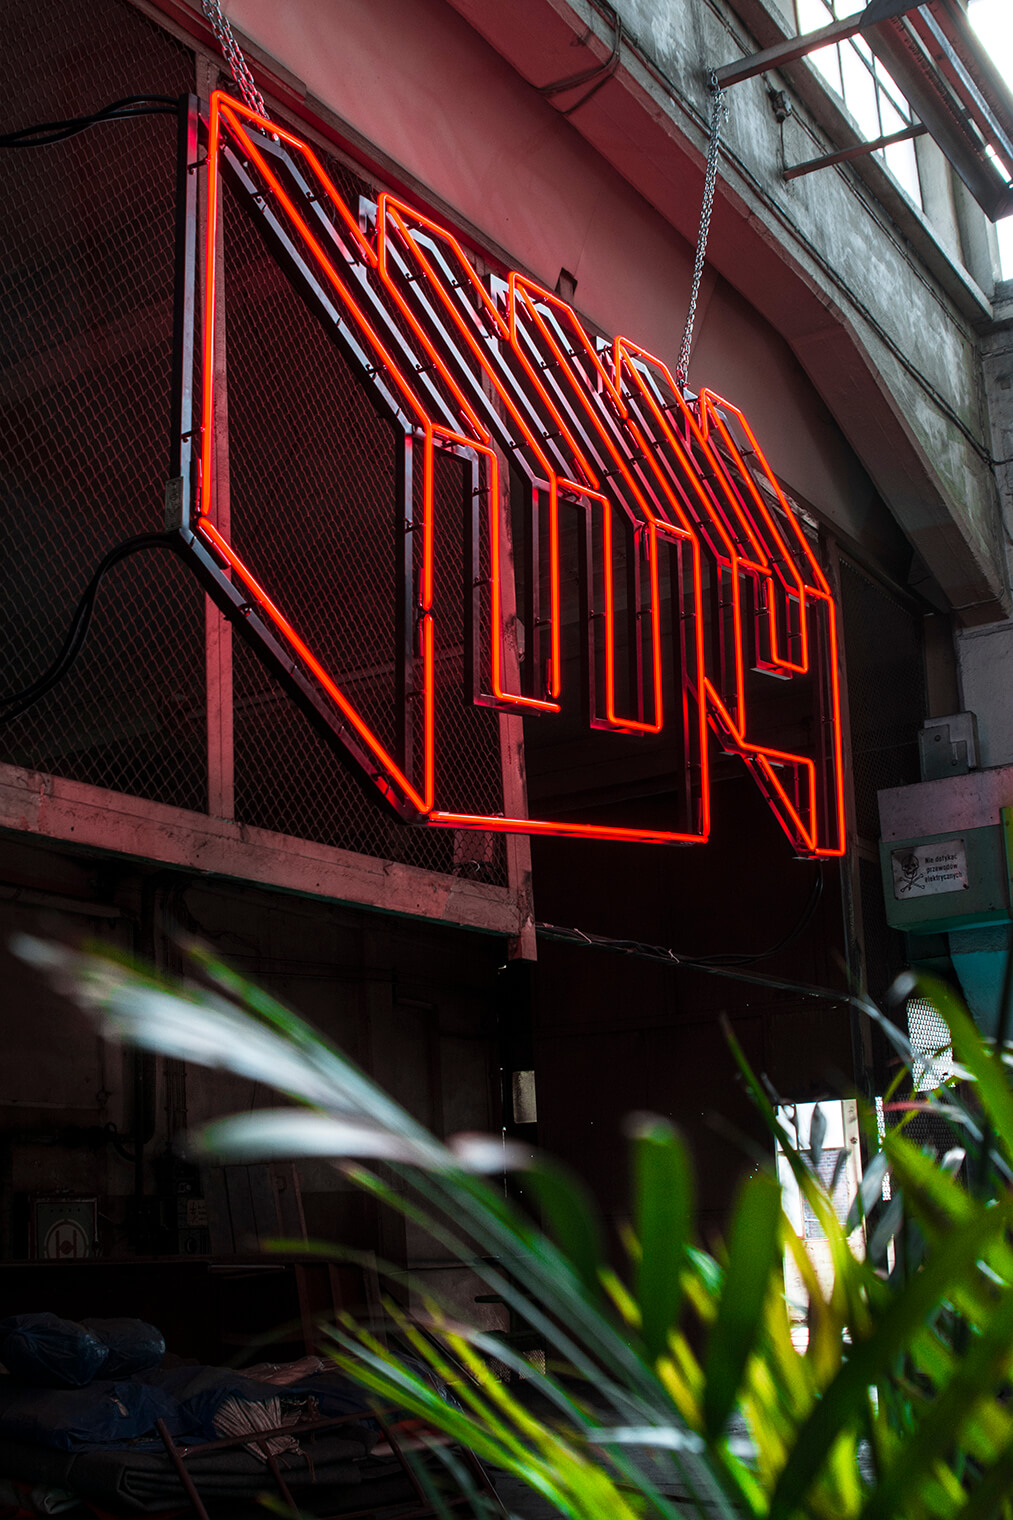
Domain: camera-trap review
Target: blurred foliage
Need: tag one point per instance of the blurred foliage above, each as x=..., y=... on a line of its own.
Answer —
x=673, y=1385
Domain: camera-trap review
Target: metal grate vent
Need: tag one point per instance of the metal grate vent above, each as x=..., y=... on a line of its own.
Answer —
x=930, y=1038
x=86, y=254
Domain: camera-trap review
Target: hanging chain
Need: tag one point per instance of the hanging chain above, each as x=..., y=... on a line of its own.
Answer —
x=719, y=114
x=233, y=54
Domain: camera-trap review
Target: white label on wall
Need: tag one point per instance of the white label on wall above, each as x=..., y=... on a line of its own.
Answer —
x=922, y=869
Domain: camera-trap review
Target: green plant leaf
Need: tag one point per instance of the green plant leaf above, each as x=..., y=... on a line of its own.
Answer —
x=870, y=1361
x=925, y=1355
x=754, y=1254
x=570, y=1216
x=975, y=1378
x=986, y=1068
x=662, y=1212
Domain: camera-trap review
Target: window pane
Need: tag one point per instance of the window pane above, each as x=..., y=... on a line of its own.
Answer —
x=1005, y=231
x=859, y=91
x=903, y=165
x=890, y=92
x=892, y=120
x=827, y=61
x=812, y=14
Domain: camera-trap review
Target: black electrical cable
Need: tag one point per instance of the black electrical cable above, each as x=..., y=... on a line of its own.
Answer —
x=659, y=953
x=77, y=636
x=789, y=939
x=131, y=106
x=596, y=76
x=717, y=965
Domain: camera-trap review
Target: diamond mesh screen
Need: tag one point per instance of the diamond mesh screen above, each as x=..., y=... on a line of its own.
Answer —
x=85, y=401
x=930, y=1037
x=86, y=281
x=315, y=513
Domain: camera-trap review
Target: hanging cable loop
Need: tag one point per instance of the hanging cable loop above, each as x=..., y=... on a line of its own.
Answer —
x=719, y=115
x=596, y=76
x=233, y=55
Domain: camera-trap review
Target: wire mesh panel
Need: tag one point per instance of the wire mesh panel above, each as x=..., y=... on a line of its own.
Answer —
x=467, y=744
x=930, y=1039
x=317, y=481
x=886, y=698
x=86, y=288
x=885, y=956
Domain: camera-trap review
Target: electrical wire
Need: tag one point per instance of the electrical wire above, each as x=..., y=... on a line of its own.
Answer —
x=13, y=705
x=127, y=109
x=728, y=965
x=596, y=76
x=669, y=958
x=789, y=939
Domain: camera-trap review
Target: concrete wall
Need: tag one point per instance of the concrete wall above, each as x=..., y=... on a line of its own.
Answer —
x=986, y=654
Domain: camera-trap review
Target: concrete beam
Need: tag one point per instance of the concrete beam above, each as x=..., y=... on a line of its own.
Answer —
x=96, y=820
x=831, y=277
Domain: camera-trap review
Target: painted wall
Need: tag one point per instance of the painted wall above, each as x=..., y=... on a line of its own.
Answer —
x=415, y=80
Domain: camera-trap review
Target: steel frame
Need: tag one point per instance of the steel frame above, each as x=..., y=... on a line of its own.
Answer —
x=952, y=86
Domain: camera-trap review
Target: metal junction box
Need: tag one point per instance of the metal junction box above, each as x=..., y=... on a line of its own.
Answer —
x=943, y=852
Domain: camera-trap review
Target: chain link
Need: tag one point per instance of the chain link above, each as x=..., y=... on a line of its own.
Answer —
x=233, y=54
x=719, y=114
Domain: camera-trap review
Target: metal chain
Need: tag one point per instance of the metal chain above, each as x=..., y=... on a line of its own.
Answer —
x=719, y=114
x=233, y=54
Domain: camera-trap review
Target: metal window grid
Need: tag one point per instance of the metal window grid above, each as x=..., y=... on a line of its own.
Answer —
x=86, y=250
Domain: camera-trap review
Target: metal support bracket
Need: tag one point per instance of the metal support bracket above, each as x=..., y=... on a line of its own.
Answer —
x=794, y=48
x=845, y=155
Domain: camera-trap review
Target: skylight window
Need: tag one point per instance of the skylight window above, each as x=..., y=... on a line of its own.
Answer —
x=868, y=92
x=991, y=21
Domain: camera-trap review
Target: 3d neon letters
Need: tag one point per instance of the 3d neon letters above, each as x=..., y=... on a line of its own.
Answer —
x=697, y=577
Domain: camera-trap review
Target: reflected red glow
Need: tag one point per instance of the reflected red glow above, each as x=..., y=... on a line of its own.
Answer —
x=510, y=374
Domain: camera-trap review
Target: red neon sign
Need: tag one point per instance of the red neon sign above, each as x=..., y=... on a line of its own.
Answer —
x=676, y=508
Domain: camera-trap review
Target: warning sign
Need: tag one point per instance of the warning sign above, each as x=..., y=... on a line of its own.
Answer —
x=923, y=869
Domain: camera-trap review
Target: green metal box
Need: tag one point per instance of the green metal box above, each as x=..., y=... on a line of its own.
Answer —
x=937, y=882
